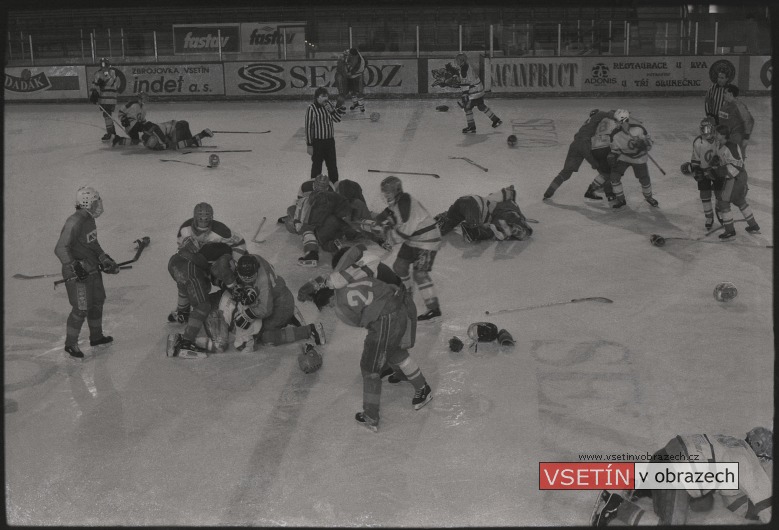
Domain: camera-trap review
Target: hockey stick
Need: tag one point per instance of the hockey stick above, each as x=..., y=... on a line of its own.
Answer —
x=241, y=132
x=113, y=120
x=219, y=151
x=141, y=244
x=26, y=277
x=404, y=173
x=262, y=222
x=470, y=162
x=574, y=301
x=655, y=163
x=182, y=162
x=659, y=241
x=74, y=278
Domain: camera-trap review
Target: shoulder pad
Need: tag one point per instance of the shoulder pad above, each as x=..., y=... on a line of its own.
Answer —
x=220, y=229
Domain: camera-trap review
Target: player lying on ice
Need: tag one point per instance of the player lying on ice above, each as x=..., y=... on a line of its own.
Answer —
x=173, y=134
x=494, y=217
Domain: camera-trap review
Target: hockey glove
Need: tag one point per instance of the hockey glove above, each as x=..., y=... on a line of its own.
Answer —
x=715, y=161
x=94, y=96
x=190, y=244
x=307, y=291
x=464, y=100
x=80, y=271
x=641, y=144
x=698, y=174
x=242, y=319
x=108, y=265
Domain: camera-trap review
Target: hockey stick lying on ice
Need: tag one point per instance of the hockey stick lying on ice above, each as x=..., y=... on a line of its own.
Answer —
x=241, y=132
x=659, y=241
x=404, y=173
x=182, y=162
x=574, y=301
x=470, y=162
x=254, y=239
x=218, y=151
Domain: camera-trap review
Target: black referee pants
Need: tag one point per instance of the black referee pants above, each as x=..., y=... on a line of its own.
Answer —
x=324, y=151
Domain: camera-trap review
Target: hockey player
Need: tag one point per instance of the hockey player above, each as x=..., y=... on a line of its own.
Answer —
x=340, y=82
x=472, y=94
x=727, y=168
x=105, y=87
x=173, y=134
x=496, y=216
x=192, y=267
x=406, y=220
x=355, y=67
x=592, y=135
x=365, y=293
x=132, y=116
x=630, y=144
x=323, y=218
x=83, y=260
x=736, y=116
x=202, y=228
x=259, y=307
x=754, y=456
x=704, y=149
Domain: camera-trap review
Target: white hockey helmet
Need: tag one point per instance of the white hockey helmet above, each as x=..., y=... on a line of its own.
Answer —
x=391, y=187
x=707, y=128
x=87, y=198
x=621, y=115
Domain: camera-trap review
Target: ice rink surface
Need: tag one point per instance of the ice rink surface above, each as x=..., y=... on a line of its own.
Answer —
x=130, y=437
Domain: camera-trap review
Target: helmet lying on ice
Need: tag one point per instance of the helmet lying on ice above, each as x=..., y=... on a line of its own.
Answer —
x=213, y=161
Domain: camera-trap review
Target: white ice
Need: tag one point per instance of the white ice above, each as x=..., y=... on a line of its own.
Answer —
x=130, y=437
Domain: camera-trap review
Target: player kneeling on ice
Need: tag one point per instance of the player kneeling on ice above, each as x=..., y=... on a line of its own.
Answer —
x=322, y=217
x=173, y=134
x=366, y=293
x=257, y=306
x=494, y=217
x=754, y=456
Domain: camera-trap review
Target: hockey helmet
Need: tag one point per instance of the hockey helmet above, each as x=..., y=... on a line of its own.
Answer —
x=203, y=216
x=461, y=59
x=105, y=63
x=375, y=116
x=247, y=269
x=151, y=141
x=87, y=198
x=725, y=292
x=761, y=440
x=511, y=140
x=707, y=128
x=621, y=115
x=391, y=187
x=213, y=161
x=321, y=183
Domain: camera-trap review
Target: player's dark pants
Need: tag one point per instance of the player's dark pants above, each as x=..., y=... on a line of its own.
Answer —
x=639, y=170
x=324, y=151
x=86, y=300
x=354, y=86
x=579, y=151
x=422, y=259
x=387, y=343
x=672, y=506
x=464, y=209
x=332, y=228
x=193, y=285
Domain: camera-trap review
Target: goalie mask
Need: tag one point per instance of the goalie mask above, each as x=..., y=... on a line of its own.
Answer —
x=391, y=188
x=87, y=198
x=761, y=440
x=247, y=269
x=202, y=217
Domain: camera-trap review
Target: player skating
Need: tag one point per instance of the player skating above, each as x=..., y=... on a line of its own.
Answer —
x=366, y=293
x=83, y=260
x=355, y=67
x=472, y=94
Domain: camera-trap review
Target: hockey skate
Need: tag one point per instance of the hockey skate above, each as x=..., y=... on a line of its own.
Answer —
x=709, y=223
x=318, y=333
x=106, y=137
x=354, y=106
x=422, y=397
x=652, y=201
x=469, y=129
x=179, y=347
x=105, y=339
x=605, y=508
x=74, y=352
x=496, y=122
x=469, y=233
x=311, y=259
x=590, y=194
x=430, y=315
x=729, y=234
x=619, y=203
x=753, y=229
x=362, y=420
x=206, y=133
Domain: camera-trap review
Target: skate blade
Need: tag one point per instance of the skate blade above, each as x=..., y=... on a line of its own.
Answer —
x=189, y=354
x=308, y=263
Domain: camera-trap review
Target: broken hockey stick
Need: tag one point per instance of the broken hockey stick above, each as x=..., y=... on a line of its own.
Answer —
x=182, y=162
x=655, y=163
x=470, y=162
x=434, y=175
x=262, y=222
x=574, y=301
x=241, y=132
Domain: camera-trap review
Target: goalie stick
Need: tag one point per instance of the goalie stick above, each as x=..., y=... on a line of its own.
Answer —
x=404, y=173
x=262, y=222
x=600, y=299
x=141, y=243
x=470, y=162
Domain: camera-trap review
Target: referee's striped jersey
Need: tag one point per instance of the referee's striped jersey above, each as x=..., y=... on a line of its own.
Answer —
x=319, y=122
x=714, y=99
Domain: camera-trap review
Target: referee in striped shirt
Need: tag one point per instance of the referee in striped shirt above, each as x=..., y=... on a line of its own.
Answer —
x=320, y=143
x=715, y=97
